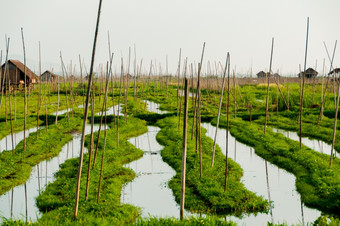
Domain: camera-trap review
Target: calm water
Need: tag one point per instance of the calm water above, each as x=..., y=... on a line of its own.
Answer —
x=6, y=142
x=153, y=107
x=41, y=175
x=316, y=145
x=267, y=180
x=149, y=190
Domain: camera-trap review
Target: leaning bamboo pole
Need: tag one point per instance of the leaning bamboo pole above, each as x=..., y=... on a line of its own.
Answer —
x=323, y=100
x=268, y=77
x=219, y=111
x=303, y=84
x=105, y=133
x=184, y=152
x=180, y=102
x=335, y=122
x=85, y=115
x=227, y=130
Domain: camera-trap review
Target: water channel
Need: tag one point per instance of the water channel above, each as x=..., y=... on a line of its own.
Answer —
x=267, y=180
x=12, y=203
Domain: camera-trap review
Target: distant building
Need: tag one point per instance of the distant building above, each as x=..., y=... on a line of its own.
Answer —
x=263, y=74
x=15, y=73
x=335, y=71
x=48, y=76
x=309, y=73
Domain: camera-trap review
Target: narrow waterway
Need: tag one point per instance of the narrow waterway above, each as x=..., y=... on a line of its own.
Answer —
x=267, y=180
x=13, y=204
x=112, y=109
x=153, y=107
x=6, y=142
x=149, y=190
x=316, y=145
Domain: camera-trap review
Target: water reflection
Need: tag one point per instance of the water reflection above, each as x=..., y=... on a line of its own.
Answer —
x=153, y=107
x=149, y=190
x=316, y=145
x=12, y=203
x=6, y=142
x=266, y=180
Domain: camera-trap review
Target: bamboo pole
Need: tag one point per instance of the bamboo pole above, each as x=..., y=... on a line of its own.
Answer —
x=335, y=123
x=85, y=116
x=105, y=133
x=323, y=100
x=180, y=104
x=184, y=152
x=91, y=149
x=303, y=84
x=10, y=115
x=178, y=74
x=39, y=95
x=268, y=77
x=25, y=99
x=2, y=82
x=227, y=129
x=219, y=111
x=101, y=117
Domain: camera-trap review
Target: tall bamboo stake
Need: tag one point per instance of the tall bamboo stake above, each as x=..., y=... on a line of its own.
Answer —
x=180, y=104
x=85, y=116
x=178, y=74
x=227, y=130
x=303, y=84
x=39, y=100
x=268, y=77
x=335, y=122
x=105, y=133
x=10, y=115
x=25, y=99
x=184, y=152
x=2, y=83
x=219, y=111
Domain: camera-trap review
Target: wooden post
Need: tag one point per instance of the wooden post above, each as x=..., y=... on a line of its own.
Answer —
x=335, y=122
x=268, y=77
x=25, y=100
x=303, y=83
x=227, y=129
x=219, y=111
x=184, y=153
x=85, y=115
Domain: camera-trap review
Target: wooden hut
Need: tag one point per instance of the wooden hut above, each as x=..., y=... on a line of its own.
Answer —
x=335, y=71
x=261, y=74
x=309, y=73
x=48, y=76
x=15, y=74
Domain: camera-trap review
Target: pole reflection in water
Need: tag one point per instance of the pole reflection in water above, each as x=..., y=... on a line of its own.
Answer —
x=286, y=203
x=21, y=199
x=149, y=190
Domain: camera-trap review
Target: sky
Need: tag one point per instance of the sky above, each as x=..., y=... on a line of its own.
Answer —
x=158, y=29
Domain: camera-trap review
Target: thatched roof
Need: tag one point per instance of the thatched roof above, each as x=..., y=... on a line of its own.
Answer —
x=22, y=68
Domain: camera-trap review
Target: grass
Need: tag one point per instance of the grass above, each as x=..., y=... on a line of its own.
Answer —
x=15, y=168
x=57, y=201
x=206, y=195
x=318, y=184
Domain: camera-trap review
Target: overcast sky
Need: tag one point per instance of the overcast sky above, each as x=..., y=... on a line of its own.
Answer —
x=159, y=28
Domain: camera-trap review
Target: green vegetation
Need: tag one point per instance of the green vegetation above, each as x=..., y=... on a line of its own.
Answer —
x=16, y=168
x=57, y=201
x=318, y=184
x=206, y=195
